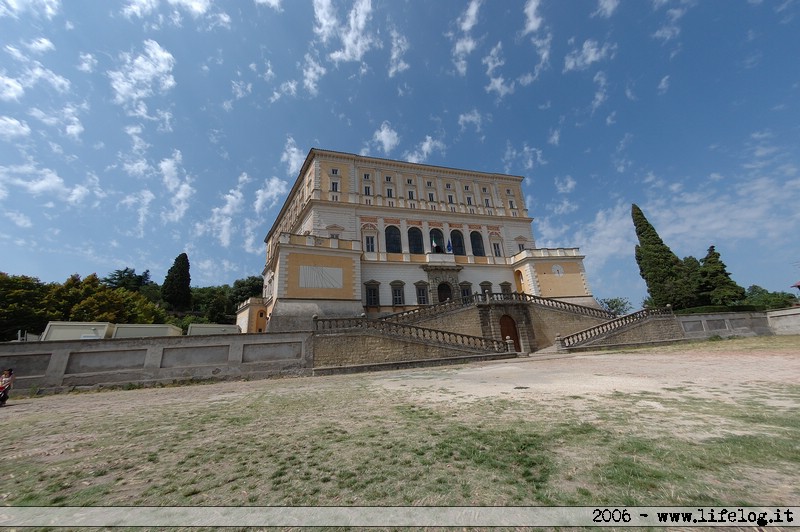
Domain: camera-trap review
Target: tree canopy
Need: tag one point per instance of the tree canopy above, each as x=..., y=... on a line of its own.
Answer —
x=176, y=289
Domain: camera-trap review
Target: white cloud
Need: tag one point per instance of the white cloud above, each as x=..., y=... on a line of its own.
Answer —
x=269, y=194
x=11, y=128
x=142, y=76
x=554, y=137
x=196, y=8
x=39, y=8
x=611, y=119
x=293, y=157
x=601, y=94
x=221, y=223
x=609, y=235
x=532, y=19
x=564, y=206
x=525, y=157
x=565, y=185
x=497, y=84
x=287, y=88
x=605, y=8
x=66, y=119
x=670, y=29
x=178, y=185
x=139, y=8
x=465, y=44
x=40, y=45
x=473, y=117
x=32, y=73
x=312, y=73
x=325, y=18
x=355, y=39
x=141, y=202
x=663, y=85
x=10, y=89
x=589, y=53
x=424, y=150
x=87, y=63
x=399, y=47
x=386, y=137
x=274, y=4
x=19, y=219
x=41, y=181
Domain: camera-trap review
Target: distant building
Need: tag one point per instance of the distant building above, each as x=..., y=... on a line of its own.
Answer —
x=376, y=236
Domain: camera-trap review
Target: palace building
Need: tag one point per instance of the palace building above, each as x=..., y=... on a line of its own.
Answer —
x=363, y=235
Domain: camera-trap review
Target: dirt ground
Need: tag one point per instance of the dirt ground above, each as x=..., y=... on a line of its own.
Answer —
x=703, y=368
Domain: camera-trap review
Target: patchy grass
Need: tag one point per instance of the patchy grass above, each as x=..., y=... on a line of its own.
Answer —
x=349, y=441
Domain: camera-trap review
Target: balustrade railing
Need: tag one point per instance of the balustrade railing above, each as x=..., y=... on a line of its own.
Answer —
x=410, y=331
x=432, y=310
x=580, y=337
x=496, y=297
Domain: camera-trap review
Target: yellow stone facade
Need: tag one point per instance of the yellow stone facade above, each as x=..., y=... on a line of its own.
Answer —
x=367, y=235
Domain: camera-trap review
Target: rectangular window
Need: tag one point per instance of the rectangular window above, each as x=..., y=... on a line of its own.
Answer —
x=372, y=297
x=466, y=187
x=368, y=191
x=389, y=193
x=508, y=191
x=469, y=200
x=521, y=247
x=430, y=196
x=430, y=183
x=487, y=202
x=449, y=198
x=496, y=248
x=410, y=181
x=335, y=236
x=334, y=171
x=397, y=296
x=511, y=204
x=422, y=295
x=485, y=190
x=447, y=185
x=388, y=179
x=366, y=176
x=334, y=186
x=411, y=194
x=369, y=244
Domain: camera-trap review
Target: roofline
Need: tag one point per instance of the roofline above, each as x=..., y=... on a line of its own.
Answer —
x=378, y=160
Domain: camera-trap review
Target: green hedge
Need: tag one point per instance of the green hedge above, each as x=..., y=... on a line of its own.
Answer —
x=714, y=309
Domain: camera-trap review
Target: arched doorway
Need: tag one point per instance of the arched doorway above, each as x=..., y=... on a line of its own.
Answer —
x=518, y=281
x=444, y=292
x=508, y=327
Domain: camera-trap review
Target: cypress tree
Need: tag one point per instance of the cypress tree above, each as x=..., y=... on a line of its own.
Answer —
x=176, y=289
x=660, y=268
x=716, y=283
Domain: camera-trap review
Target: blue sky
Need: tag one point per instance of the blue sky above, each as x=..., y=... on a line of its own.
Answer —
x=133, y=131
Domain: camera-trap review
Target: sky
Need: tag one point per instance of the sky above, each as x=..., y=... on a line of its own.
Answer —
x=133, y=131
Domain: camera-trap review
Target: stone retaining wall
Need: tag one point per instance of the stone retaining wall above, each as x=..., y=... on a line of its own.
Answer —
x=784, y=321
x=63, y=364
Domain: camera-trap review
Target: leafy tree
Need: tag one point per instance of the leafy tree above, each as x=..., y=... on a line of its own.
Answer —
x=128, y=279
x=619, y=306
x=63, y=297
x=117, y=306
x=252, y=286
x=22, y=306
x=660, y=268
x=689, y=293
x=176, y=289
x=213, y=302
x=715, y=281
x=761, y=297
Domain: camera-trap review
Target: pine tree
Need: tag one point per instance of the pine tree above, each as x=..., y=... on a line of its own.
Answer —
x=176, y=289
x=715, y=281
x=660, y=268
